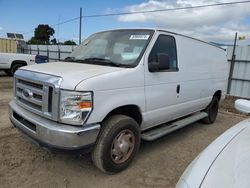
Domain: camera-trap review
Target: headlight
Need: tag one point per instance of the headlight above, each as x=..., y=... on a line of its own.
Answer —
x=75, y=106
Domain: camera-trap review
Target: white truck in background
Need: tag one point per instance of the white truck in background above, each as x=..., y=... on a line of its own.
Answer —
x=10, y=62
x=119, y=87
x=11, y=57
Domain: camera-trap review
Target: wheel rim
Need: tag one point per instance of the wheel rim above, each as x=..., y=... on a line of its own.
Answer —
x=122, y=146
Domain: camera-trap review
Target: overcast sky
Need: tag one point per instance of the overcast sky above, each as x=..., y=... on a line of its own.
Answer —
x=210, y=23
x=217, y=24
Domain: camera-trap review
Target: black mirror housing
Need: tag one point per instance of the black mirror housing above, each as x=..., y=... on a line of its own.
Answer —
x=163, y=60
x=153, y=66
x=163, y=63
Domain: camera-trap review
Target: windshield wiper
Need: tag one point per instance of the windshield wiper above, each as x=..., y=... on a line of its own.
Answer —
x=68, y=59
x=95, y=60
x=103, y=61
x=73, y=59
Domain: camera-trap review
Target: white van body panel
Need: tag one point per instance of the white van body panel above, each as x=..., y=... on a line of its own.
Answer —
x=120, y=88
x=199, y=77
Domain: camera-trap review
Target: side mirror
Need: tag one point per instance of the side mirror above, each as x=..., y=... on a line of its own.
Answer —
x=162, y=63
x=242, y=106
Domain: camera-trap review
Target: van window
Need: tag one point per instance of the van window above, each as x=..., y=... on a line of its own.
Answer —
x=165, y=44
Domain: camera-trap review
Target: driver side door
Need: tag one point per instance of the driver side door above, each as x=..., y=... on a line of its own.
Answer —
x=162, y=87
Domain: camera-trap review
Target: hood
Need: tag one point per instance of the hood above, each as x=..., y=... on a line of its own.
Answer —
x=212, y=166
x=71, y=73
x=231, y=168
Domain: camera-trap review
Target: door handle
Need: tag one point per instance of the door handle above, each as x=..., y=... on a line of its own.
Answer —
x=178, y=88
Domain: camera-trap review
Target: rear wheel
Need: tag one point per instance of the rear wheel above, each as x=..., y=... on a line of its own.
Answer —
x=14, y=68
x=212, y=111
x=7, y=72
x=117, y=144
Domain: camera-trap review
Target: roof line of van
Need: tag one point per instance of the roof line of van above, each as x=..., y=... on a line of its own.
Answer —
x=162, y=30
x=191, y=38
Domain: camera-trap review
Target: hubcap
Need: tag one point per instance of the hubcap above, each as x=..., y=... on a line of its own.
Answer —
x=122, y=146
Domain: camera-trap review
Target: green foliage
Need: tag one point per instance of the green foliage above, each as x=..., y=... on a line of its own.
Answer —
x=33, y=40
x=69, y=42
x=53, y=41
x=42, y=35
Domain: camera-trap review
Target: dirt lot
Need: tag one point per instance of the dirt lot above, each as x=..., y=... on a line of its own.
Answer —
x=158, y=164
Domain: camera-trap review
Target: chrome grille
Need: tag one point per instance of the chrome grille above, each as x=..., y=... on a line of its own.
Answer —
x=31, y=84
x=38, y=93
x=35, y=99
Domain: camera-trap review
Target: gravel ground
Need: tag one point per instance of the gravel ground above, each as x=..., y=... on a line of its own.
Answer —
x=158, y=164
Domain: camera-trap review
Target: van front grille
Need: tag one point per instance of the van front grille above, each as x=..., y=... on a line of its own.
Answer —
x=31, y=84
x=37, y=94
x=30, y=94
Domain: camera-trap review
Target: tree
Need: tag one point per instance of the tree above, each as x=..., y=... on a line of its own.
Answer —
x=33, y=40
x=69, y=42
x=42, y=35
x=53, y=41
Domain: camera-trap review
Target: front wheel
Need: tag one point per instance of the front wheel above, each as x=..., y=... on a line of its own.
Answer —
x=212, y=111
x=117, y=144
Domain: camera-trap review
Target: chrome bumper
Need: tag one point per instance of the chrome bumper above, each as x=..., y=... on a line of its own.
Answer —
x=56, y=135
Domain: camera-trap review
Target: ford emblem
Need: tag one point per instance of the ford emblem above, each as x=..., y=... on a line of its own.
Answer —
x=27, y=93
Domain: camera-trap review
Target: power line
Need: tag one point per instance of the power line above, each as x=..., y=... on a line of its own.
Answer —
x=66, y=21
x=167, y=9
x=149, y=11
x=60, y=23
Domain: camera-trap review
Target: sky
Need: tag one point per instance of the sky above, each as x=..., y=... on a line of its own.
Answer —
x=217, y=24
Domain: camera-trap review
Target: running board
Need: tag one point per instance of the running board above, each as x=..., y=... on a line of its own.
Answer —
x=168, y=128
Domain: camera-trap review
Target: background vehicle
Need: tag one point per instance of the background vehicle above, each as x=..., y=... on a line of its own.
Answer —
x=224, y=163
x=117, y=88
x=242, y=106
x=10, y=62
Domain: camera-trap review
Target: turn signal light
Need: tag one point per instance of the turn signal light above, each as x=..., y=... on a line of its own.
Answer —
x=85, y=104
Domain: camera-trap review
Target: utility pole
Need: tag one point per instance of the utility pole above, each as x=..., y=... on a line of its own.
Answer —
x=58, y=28
x=232, y=66
x=80, y=27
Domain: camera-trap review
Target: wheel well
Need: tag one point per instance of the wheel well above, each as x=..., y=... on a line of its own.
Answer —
x=132, y=111
x=18, y=62
x=218, y=94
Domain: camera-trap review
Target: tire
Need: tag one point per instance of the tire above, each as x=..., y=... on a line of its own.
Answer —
x=8, y=72
x=14, y=68
x=119, y=132
x=212, y=111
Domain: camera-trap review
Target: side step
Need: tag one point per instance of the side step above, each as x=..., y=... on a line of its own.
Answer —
x=168, y=128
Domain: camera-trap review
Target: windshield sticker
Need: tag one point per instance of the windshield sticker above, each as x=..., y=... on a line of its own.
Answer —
x=139, y=37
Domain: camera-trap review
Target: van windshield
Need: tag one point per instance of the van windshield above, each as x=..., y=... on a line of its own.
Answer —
x=122, y=48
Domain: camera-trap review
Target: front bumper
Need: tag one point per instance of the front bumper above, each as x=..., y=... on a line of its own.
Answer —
x=50, y=133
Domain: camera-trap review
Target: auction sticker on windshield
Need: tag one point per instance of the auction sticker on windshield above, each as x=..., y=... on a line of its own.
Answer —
x=139, y=37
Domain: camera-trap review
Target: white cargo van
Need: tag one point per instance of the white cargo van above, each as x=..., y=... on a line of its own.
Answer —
x=119, y=87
